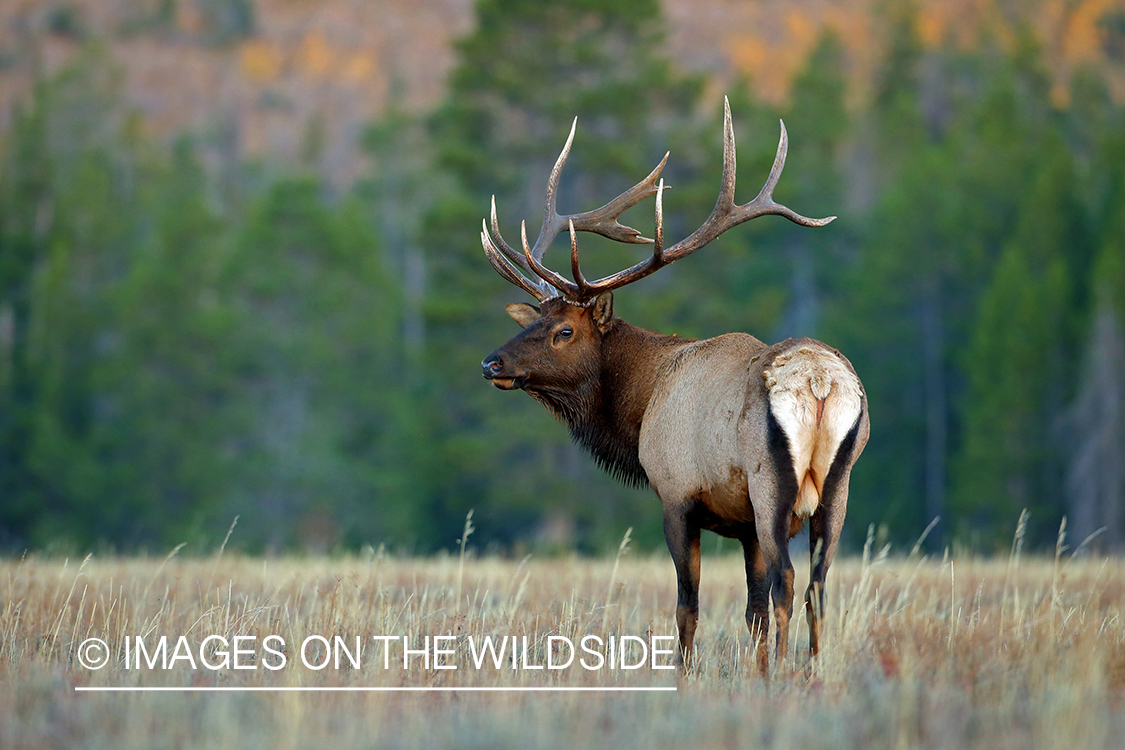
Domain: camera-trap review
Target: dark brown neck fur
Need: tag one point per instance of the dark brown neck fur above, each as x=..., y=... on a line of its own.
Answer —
x=605, y=410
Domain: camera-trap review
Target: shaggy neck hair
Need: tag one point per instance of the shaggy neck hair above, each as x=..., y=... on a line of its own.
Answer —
x=604, y=403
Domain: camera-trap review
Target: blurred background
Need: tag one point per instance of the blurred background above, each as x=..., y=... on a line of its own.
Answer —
x=240, y=271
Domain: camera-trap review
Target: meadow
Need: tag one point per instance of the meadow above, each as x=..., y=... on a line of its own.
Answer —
x=1016, y=652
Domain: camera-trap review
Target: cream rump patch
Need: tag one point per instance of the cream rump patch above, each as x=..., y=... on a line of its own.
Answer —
x=815, y=399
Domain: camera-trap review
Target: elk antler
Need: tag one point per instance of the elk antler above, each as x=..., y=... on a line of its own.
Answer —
x=603, y=221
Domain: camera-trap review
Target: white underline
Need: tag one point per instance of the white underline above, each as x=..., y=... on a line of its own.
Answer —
x=299, y=689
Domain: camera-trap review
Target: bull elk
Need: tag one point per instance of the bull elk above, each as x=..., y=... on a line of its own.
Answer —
x=735, y=436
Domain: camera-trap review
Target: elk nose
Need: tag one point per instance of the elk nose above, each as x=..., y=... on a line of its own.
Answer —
x=493, y=366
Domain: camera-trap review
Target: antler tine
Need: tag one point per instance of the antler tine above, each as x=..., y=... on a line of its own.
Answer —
x=585, y=290
x=551, y=220
x=730, y=166
x=566, y=287
x=727, y=213
x=506, y=269
x=575, y=270
x=765, y=195
x=511, y=254
x=603, y=220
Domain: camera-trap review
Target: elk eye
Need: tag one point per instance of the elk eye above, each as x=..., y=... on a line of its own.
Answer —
x=564, y=334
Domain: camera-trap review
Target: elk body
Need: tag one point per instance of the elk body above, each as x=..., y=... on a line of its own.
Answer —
x=742, y=438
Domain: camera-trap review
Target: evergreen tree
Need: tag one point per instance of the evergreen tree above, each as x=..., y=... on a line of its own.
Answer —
x=906, y=261
x=523, y=74
x=69, y=194
x=1009, y=459
x=314, y=365
x=1016, y=352
x=166, y=372
x=1095, y=423
x=25, y=205
x=158, y=437
x=818, y=124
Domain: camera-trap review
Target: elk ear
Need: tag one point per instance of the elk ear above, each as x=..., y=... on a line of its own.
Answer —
x=522, y=313
x=603, y=310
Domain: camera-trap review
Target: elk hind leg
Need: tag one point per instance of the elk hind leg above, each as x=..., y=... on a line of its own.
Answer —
x=781, y=590
x=757, y=601
x=773, y=490
x=771, y=565
x=824, y=534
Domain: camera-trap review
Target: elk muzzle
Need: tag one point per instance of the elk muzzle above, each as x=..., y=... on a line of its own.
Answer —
x=495, y=371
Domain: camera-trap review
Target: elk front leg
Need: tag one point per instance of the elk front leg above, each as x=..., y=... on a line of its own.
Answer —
x=757, y=600
x=682, y=537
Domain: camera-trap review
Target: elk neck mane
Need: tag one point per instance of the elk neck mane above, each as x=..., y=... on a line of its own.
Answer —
x=604, y=408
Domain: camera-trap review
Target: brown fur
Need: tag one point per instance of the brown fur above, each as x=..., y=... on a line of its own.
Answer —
x=603, y=406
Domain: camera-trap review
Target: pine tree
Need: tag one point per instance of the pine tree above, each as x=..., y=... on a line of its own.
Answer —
x=525, y=72
x=69, y=194
x=818, y=123
x=907, y=259
x=1008, y=462
x=314, y=365
x=25, y=203
x=1095, y=422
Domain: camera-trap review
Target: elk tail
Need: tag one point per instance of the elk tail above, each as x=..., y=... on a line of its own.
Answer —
x=816, y=399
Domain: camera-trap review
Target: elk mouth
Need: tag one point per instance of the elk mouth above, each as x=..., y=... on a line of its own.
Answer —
x=508, y=384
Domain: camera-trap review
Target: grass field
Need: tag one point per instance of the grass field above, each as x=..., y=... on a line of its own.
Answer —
x=958, y=653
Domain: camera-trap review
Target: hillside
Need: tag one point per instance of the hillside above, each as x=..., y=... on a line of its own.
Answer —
x=290, y=78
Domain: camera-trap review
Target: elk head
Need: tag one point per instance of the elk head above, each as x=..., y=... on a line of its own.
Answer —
x=560, y=345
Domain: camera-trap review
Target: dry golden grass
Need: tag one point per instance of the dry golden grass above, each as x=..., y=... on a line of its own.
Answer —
x=919, y=653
